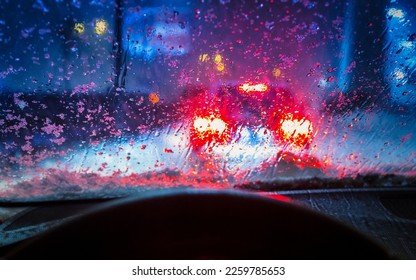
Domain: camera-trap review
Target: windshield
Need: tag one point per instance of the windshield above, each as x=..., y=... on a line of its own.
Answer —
x=99, y=96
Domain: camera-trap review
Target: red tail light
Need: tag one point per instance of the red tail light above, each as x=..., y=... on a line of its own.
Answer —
x=296, y=130
x=209, y=130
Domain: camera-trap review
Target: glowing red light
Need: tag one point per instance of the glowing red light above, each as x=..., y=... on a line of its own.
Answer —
x=209, y=130
x=304, y=160
x=201, y=125
x=278, y=197
x=249, y=87
x=296, y=130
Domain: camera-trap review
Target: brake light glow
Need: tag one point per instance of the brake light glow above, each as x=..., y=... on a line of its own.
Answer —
x=248, y=87
x=208, y=130
x=218, y=125
x=296, y=130
x=201, y=124
x=203, y=57
x=215, y=125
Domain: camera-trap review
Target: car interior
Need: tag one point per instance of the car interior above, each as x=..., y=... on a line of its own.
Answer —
x=213, y=129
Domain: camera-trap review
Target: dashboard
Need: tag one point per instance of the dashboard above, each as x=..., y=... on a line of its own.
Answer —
x=305, y=224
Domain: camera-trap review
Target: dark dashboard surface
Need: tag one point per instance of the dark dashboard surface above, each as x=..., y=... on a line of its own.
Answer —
x=388, y=216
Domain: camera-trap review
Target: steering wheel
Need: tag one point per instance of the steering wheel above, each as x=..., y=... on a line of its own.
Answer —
x=200, y=225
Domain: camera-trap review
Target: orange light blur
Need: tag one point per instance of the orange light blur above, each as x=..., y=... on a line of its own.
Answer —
x=220, y=67
x=276, y=72
x=296, y=130
x=79, y=28
x=219, y=64
x=248, y=87
x=100, y=27
x=154, y=98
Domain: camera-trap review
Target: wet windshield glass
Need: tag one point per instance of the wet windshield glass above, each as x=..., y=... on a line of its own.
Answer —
x=104, y=95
